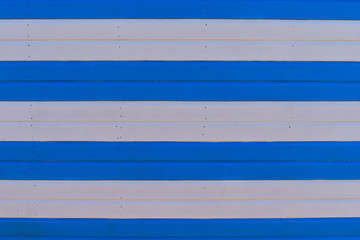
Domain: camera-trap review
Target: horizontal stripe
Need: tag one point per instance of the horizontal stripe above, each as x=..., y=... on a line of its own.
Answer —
x=170, y=30
x=179, y=151
x=199, y=200
x=200, y=40
x=135, y=209
x=180, y=112
x=187, y=228
x=179, y=51
x=258, y=9
x=179, y=71
x=180, y=121
x=188, y=132
x=96, y=238
x=179, y=91
x=294, y=170
x=191, y=192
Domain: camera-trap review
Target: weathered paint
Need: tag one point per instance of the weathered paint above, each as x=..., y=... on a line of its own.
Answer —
x=179, y=119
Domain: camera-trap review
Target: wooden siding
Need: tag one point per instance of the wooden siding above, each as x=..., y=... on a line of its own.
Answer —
x=179, y=119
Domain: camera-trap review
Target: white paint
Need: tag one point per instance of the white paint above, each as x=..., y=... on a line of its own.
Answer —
x=178, y=111
x=179, y=190
x=184, y=199
x=179, y=51
x=197, y=132
x=176, y=29
x=180, y=209
x=180, y=121
x=179, y=40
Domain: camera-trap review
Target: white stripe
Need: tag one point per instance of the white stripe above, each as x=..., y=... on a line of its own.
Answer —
x=178, y=111
x=180, y=121
x=179, y=190
x=184, y=29
x=193, y=132
x=206, y=40
x=179, y=210
x=179, y=51
x=179, y=199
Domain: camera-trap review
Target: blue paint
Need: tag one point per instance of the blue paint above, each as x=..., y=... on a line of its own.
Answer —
x=180, y=9
x=180, y=71
x=180, y=81
x=179, y=91
x=179, y=151
x=187, y=228
x=208, y=238
x=256, y=170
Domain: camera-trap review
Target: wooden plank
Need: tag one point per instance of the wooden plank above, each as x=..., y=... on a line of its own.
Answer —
x=179, y=51
x=185, y=29
x=192, y=132
x=180, y=190
x=180, y=209
x=206, y=112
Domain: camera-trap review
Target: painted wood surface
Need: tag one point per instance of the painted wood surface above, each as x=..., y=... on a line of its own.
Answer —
x=179, y=51
x=123, y=200
x=179, y=40
x=172, y=30
x=179, y=119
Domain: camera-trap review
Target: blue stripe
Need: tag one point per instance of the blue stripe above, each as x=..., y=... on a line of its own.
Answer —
x=180, y=71
x=98, y=170
x=189, y=228
x=179, y=9
x=179, y=91
x=179, y=151
x=208, y=238
x=146, y=238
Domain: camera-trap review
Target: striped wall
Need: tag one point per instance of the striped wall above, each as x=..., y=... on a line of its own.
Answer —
x=181, y=119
